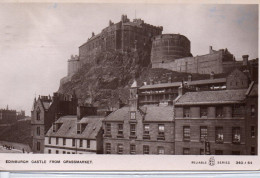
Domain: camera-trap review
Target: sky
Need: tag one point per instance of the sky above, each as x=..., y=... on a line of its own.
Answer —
x=36, y=40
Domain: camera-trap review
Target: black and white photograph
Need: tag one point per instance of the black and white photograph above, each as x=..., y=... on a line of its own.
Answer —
x=86, y=80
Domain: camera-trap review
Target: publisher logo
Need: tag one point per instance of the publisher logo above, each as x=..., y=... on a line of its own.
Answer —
x=211, y=161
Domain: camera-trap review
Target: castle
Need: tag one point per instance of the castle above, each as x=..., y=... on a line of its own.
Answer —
x=169, y=51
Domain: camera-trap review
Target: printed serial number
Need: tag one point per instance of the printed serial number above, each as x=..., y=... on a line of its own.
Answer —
x=244, y=162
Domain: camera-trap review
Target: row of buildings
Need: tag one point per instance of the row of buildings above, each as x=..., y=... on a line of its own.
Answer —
x=209, y=116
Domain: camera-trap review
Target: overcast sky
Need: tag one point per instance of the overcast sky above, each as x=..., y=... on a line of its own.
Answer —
x=36, y=40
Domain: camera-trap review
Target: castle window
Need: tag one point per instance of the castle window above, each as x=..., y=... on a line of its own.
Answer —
x=236, y=135
x=186, y=133
x=203, y=133
x=219, y=135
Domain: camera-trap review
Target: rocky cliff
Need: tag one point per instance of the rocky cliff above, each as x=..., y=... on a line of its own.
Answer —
x=102, y=83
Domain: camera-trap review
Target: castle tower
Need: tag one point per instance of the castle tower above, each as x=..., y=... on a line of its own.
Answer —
x=133, y=99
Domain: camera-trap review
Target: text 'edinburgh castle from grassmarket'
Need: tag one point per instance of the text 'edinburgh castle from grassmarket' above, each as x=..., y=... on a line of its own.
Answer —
x=180, y=105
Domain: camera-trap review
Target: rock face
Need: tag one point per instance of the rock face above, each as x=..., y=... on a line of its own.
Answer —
x=102, y=83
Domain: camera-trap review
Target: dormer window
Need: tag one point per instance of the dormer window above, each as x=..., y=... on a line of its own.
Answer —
x=133, y=115
x=78, y=128
x=81, y=127
x=54, y=127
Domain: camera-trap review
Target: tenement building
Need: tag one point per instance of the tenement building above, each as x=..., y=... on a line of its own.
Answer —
x=76, y=134
x=7, y=116
x=139, y=130
x=217, y=122
x=45, y=111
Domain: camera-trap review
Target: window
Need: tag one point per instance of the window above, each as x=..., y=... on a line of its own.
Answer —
x=186, y=112
x=146, y=129
x=57, y=140
x=203, y=111
x=38, y=146
x=54, y=127
x=218, y=152
x=202, y=152
x=219, y=111
x=252, y=150
x=236, y=135
x=38, y=114
x=108, y=129
x=253, y=131
x=73, y=142
x=186, y=151
x=80, y=143
x=88, y=143
x=132, y=129
x=186, y=133
x=132, y=115
x=203, y=133
x=49, y=151
x=68, y=152
x=38, y=131
x=120, y=149
x=160, y=150
x=64, y=152
x=219, y=135
x=120, y=129
x=145, y=149
x=78, y=128
x=161, y=130
x=108, y=148
x=252, y=110
x=49, y=140
x=57, y=151
x=132, y=149
x=64, y=141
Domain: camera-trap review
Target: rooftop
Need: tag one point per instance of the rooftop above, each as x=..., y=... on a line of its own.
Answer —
x=212, y=97
x=68, y=128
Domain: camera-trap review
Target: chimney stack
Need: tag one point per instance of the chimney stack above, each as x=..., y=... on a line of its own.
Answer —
x=245, y=60
x=210, y=49
x=93, y=34
x=84, y=111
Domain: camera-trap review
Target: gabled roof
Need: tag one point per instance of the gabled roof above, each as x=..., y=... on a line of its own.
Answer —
x=212, y=97
x=68, y=128
x=252, y=89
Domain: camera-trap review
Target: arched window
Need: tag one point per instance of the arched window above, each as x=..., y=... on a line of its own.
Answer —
x=38, y=112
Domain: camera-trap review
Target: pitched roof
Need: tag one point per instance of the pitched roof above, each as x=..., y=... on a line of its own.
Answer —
x=69, y=127
x=147, y=113
x=158, y=113
x=252, y=89
x=210, y=97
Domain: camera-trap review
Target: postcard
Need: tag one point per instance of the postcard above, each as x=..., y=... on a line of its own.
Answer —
x=133, y=86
